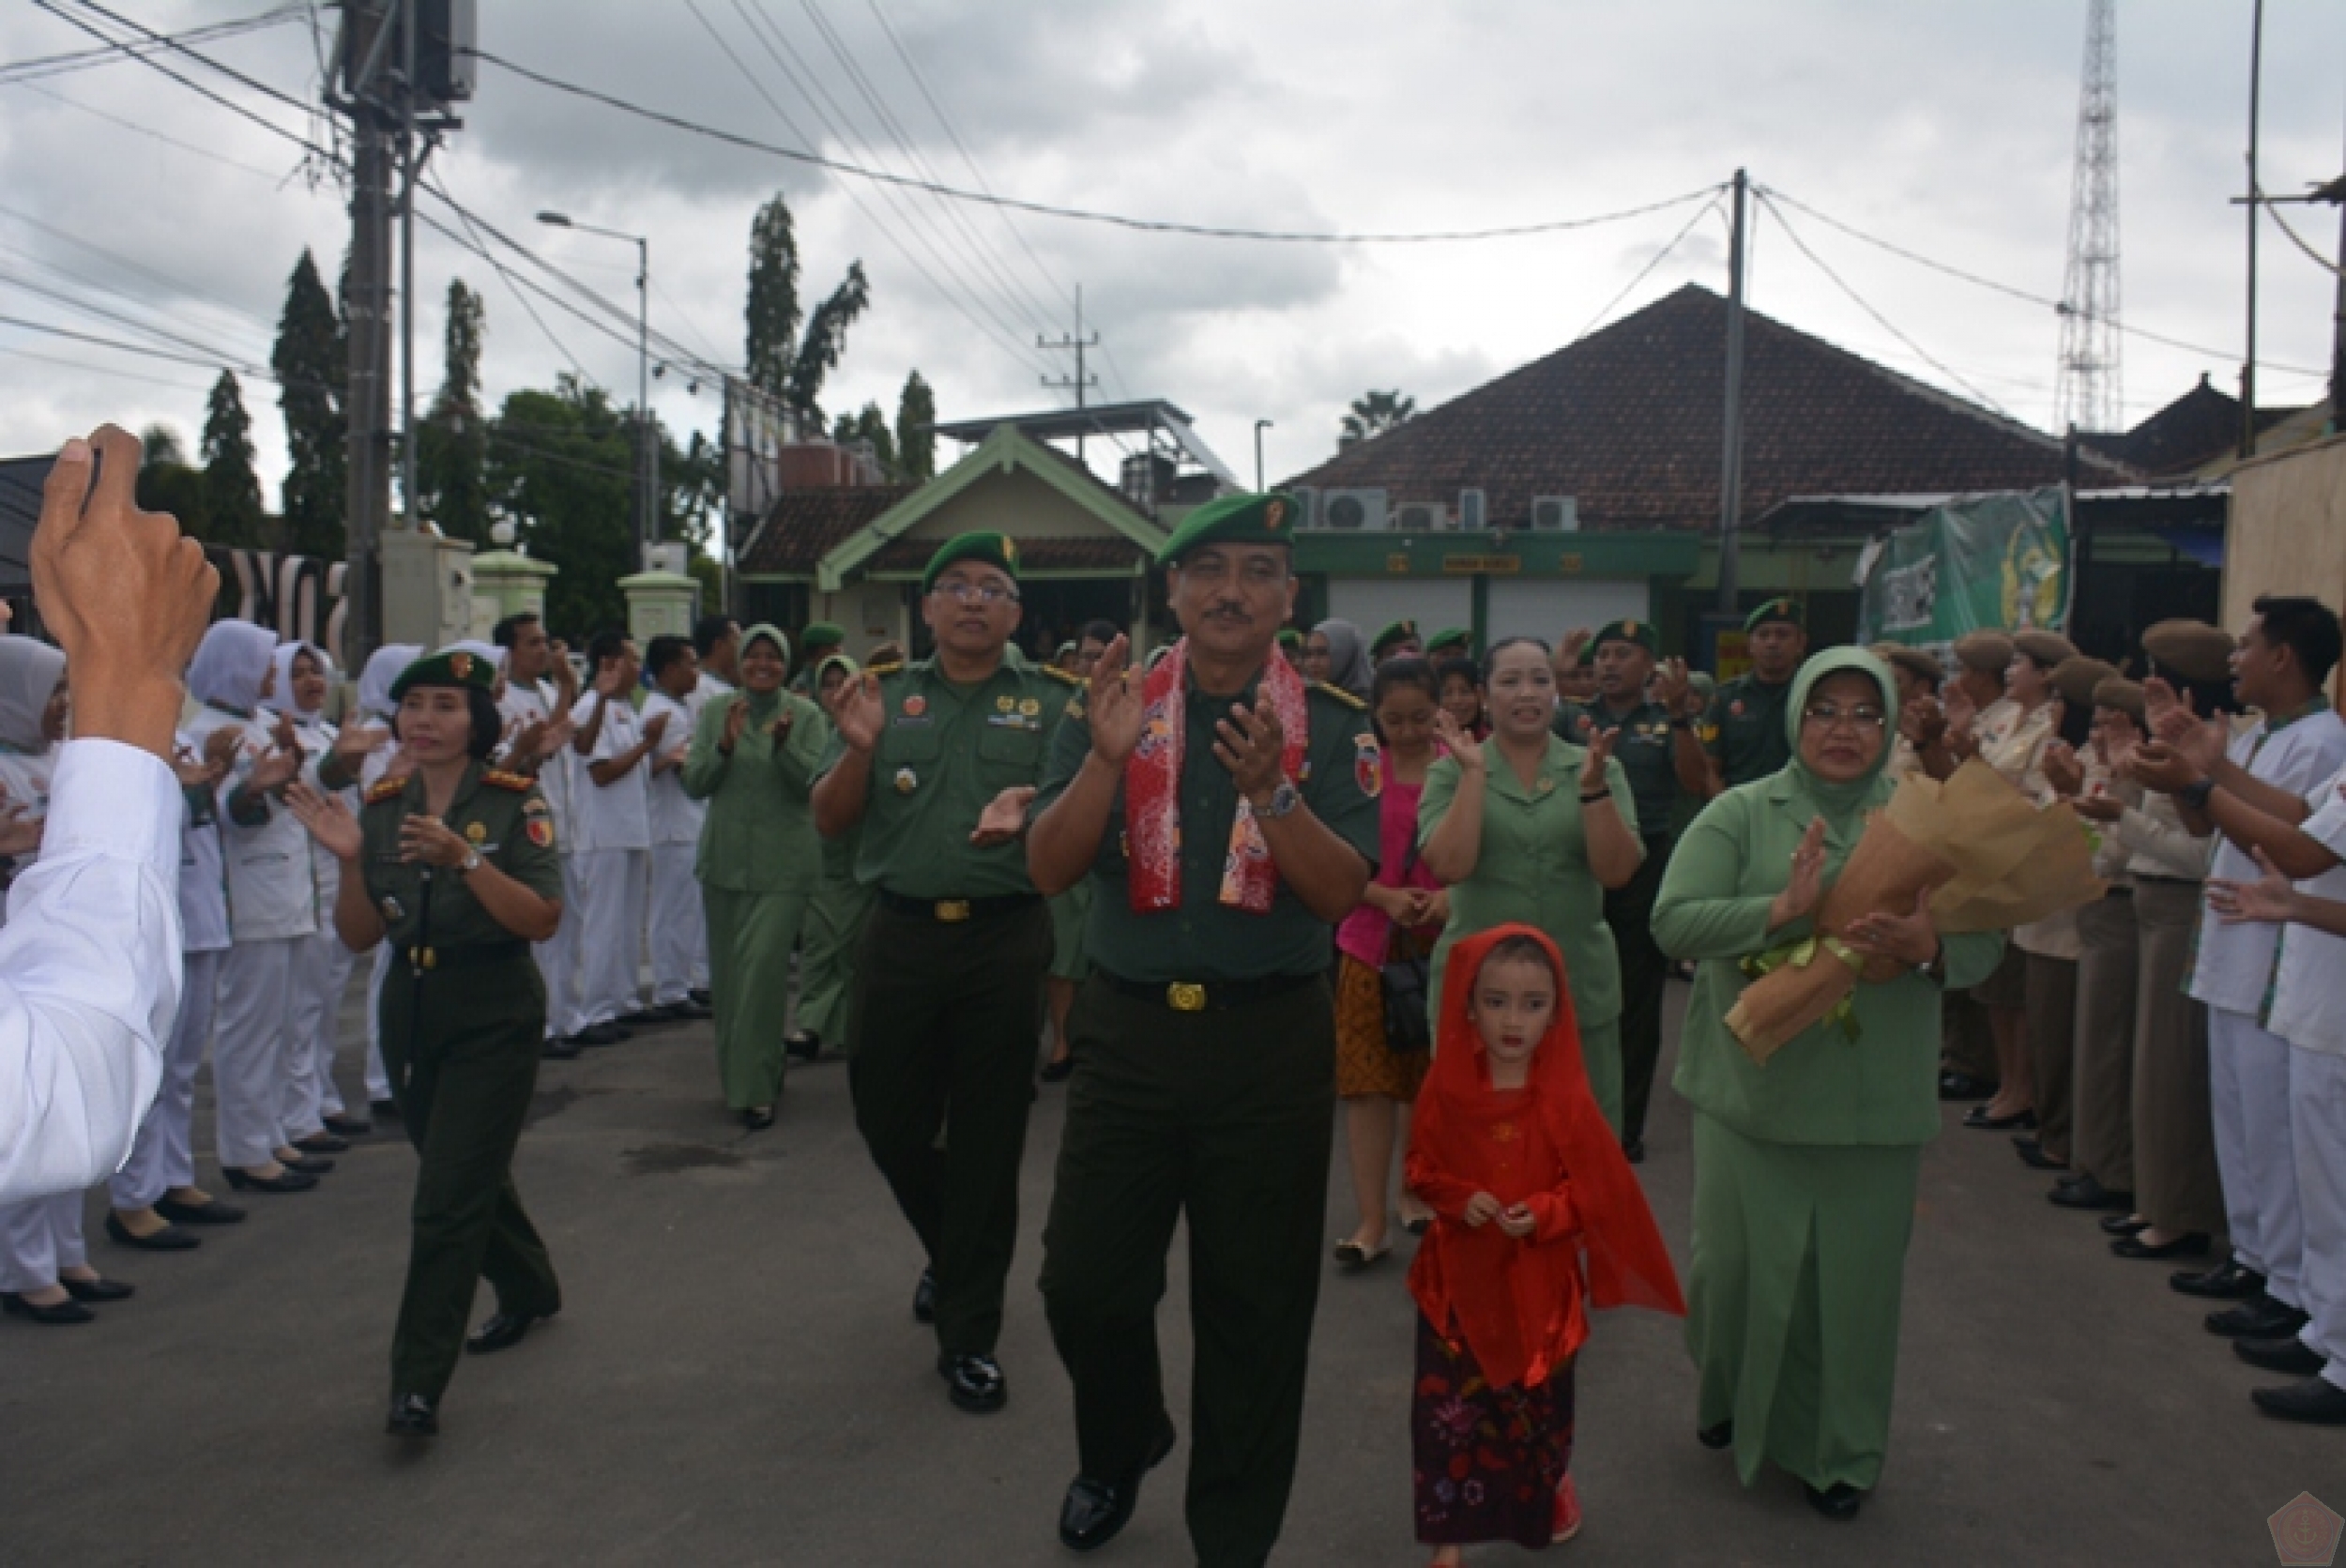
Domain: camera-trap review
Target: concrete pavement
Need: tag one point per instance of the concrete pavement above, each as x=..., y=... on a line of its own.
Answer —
x=737, y=1380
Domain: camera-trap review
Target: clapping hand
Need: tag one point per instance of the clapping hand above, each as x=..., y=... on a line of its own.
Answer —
x=2063, y=771
x=2271, y=899
x=1569, y=649
x=1593, y=766
x=779, y=731
x=429, y=840
x=1923, y=721
x=1004, y=817
x=353, y=743
x=275, y=769
x=1114, y=704
x=19, y=834
x=654, y=727
x=1673, y=688
x=737, y=719
x=327, y=820
x=2156, y=765
x=1456, y=741
x=857, y=712
x=1801, y=894
x=1251, y=744
x=1910, y=939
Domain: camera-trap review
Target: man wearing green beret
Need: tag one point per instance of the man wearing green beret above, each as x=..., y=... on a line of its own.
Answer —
x=1399, y=640
x=818, y=642
x=1624, y=653
x=1743, y=736
x=1225, y=813
x=1449, y=640
x=937, y=760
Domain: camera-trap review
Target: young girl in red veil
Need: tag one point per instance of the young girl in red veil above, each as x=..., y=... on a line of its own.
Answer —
x=1538, y=1218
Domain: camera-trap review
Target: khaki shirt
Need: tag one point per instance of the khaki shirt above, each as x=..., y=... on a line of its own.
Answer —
x=504, y=816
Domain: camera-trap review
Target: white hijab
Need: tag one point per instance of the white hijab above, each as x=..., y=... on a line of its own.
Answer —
x=230, y=665
x=29, y=672
x=281, y=695
x=384, y=666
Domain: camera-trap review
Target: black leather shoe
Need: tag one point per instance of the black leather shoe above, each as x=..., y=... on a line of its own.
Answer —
x=2122, y=1225
x=805, y=1045
x=383, y=1110
x=321, y=1143
x=307, y=1165
x=2191, y=1244
x=1979, y=1120
x=1717, y=1437
x=642, y=1018
x=682, y=1013
x=1095, y=1510
x=599, y=1034
x=2033, y=1155
x=502, y=1330
x=287, y=1181
x=558, y=1048
x=758, y=1117
x=56, y=1315
x=2227, y=1282
x=975, y=1382
x=348, y=1127
x=701, y=995
x=2275, y=1355
x=170, y=1239
x=1634, y=1151
x=1058, y=1072
x=210, y=1212
x=2086, y=1192
x=924, y=1298
x=96, y=1292
x=2316, y=1401
x=1962, y=1086
x=1839, y=1502
x=2261, y=1318
x=413, y=1415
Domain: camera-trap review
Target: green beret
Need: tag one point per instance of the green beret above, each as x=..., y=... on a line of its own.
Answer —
x=1395, y=633
x=1449, y=637
x=1638, y=631
x=996, y=550
x=453, y=666
x=1290, y=637
x=822, y=634
x=1780, y=609
x=1244, y=518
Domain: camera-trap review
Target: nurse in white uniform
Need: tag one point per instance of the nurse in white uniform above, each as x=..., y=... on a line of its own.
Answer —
x=676, y=929
x=539, y=690
x=374, y=714
x=610, y=821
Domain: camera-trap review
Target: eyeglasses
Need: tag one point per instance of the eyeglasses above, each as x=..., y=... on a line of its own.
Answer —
x=987, y=594
x=1826, y=716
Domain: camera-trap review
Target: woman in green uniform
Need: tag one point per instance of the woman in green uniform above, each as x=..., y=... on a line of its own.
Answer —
x=753, y=759
x=835, y=920
x=1527, y=827
x=1805, y=1169
x=453, y=863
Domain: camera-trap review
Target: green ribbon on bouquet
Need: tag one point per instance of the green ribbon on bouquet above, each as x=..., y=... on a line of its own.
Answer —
x=1799, y=956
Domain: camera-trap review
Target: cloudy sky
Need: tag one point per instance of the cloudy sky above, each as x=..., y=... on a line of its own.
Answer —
x=131, y=205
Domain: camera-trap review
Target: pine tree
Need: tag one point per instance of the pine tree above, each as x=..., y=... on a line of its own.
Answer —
x=233, y=513
x=916, y=432
x=166, y=483
x=452, y=440
x=789, y=368
x=313, y=361
x=870, y=426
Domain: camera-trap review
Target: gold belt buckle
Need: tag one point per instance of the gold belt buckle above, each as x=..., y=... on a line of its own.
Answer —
x=1185, y=996
x=953, y=910
x=420, y=958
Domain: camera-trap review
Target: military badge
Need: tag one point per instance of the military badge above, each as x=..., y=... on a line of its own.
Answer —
x=915, y=705
x=906, y=781
x=478, y=832
x=1735, y=708
x=1546, y=786
x=1005, y=703
x=391, y=911
x=540, y=832
x=1274, y=515
x=1029, y=706
x=1368, y=766
x=459, y=665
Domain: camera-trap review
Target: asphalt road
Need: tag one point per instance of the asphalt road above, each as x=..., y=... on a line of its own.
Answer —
x=737, y=1380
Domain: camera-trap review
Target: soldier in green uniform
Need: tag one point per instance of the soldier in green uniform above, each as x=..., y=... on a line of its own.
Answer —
x=1644, y=745
x=937, y=761
x=818, y=642
x=1450, y=642
x=1225, y=813
x=453, y=864
x=1742, y=736
x=1396, y=640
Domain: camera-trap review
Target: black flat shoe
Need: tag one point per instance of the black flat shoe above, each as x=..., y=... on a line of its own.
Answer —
x=170, y=1239
x=2033, y=1156
x=2316, y=1401
x=758, y=1117
x=413, y=1415
x=56, y=1315
x=1634, y=1151
x=1962, y=1086
x=924, y=1298
x=975, y=1383
x=1717, y=1437
x=2124, y=1224
x=210, y=1212
x=1058, y=1072
x=805, y=1045
x=383, y=1110
x=2129, y=1245
x=98, y=1292
x=1979, y=1120
x=2287, y=1354
x=701, y=995
x=1839, y=1502
x=2086, y=1192
x=321, y=1143
x=348, y=1127
x=2261, y=1318
x=1094, y=1511
x=288, y=1181
x=2228, y=1282
x=502, y=1330
x=308, y=1165
x=599, y=1034
x=560, y=1048
x=684, y=1011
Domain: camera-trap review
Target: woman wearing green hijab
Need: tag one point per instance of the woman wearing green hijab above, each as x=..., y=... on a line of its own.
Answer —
x=1805, y=1168
x=835, y=920
x=753, y=759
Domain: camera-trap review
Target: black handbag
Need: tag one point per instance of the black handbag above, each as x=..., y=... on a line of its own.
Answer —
x=1405, y=977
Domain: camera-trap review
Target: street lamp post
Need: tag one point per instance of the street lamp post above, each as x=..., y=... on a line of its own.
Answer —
x=648, y=441
x=1261, y=425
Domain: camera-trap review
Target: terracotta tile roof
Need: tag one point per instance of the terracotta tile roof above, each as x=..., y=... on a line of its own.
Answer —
x=1627, y=421
x=1034, y=555
x=804, y=524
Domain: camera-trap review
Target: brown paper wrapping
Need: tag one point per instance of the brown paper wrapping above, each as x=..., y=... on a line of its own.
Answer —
x=1991, y=860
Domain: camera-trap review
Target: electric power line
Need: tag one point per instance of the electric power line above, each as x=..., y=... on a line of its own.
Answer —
x=18, y=71
x=1658, y=257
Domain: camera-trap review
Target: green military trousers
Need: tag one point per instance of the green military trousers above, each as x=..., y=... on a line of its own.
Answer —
x=832, y=933
x=1645, y=969
x=461, y=1047
x=1225, y=1116
x=750, y=938
x=945, y=1021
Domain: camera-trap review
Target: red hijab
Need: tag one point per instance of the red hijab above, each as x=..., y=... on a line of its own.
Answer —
x=1519, y=1303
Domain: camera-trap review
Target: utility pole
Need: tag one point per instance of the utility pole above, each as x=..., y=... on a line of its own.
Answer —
x=2248, y=361
x=1732, y=444
x=1078, y=343
x=367, y=33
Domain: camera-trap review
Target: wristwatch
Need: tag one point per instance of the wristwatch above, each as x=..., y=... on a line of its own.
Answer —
x=1935, y=967
x=1283, y=800
x=2194, y=795
x=470, y=863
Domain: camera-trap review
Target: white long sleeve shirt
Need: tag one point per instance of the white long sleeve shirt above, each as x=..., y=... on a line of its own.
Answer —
x=89, y=971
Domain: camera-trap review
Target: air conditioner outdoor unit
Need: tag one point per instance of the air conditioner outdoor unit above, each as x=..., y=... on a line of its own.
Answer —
x=1473, y=511
x=1556, y=513
x=1306, y=498
x=1353, y=510
x=1421, y=517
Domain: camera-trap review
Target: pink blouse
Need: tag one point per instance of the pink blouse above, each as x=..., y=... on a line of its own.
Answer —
x=1367, y=931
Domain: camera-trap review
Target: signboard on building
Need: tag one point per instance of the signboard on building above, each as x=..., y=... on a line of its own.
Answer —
x=1997, y=561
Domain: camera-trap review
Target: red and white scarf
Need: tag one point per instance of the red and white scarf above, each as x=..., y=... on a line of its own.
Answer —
x=1152, y=790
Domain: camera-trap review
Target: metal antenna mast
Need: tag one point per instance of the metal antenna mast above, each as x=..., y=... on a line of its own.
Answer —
x=2089, y=393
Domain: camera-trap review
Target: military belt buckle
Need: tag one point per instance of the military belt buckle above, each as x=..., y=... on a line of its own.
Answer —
x=420, y=958
x=952, y=911
x=1184, y=996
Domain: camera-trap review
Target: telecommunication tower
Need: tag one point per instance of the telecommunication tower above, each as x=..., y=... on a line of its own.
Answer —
x=2088, y=390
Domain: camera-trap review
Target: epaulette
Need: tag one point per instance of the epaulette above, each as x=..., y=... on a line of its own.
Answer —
x=497, y=778
x=387, y=789
x=1341, y=695
x=1062, y=676
x=891, y=667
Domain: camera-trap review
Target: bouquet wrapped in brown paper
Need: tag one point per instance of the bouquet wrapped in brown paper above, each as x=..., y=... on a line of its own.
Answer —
x=1989, y=859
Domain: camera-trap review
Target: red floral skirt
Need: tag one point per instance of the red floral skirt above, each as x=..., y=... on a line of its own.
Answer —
x=1487, y=1461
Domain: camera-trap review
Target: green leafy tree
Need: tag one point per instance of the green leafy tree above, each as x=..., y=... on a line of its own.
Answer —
x=561, y=464
x=783, y=363
x=1375, y=413
x=167, y=483
x=312, y=362
x=233, y=511
x=871, y=425
x=452, y=440
x=916, y=432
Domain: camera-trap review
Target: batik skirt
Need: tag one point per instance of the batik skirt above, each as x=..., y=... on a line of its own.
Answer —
x=1488, y=1460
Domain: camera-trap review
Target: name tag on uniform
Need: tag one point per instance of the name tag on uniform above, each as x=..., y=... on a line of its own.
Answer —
x=1015, y=720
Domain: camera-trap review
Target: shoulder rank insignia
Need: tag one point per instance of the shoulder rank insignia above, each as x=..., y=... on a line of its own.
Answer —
x=387, y=789
x=1062, y=676
x=1341, y=695
x=497, y=778
x=894, y=666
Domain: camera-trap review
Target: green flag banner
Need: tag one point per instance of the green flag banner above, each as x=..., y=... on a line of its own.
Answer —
x=1999, y=562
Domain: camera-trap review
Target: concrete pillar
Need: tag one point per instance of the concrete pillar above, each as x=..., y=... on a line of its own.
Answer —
x=660, y=602
x=507, y=583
